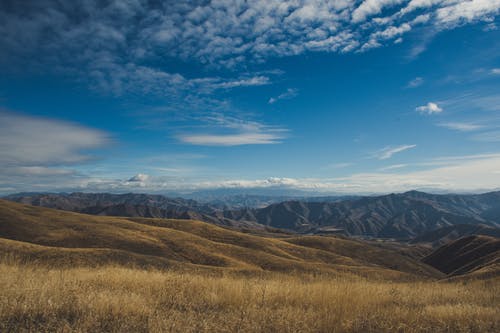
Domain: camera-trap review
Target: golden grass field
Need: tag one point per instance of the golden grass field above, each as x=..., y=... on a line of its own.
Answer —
x=113, y=299
x=68, y=272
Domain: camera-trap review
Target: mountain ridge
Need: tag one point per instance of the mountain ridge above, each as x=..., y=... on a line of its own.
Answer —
x=401, y=216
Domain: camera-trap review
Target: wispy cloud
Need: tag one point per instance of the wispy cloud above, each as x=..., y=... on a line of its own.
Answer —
x=462, y=127
x=244, y=82
x=335, y=166
x=40, y=153
x=231, y=139
x=288, y=94
x=35, y=141
x=452, y=160
x=429, y=108
x=230, y=131
x=492, y=136
x=392, y=167
x=416, y=82
x=388, y=152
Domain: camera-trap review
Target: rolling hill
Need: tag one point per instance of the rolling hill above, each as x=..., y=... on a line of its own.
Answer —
x=467, y=255
x=63, y=238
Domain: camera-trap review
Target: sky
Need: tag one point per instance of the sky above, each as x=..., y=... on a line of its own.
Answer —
x=346, y=96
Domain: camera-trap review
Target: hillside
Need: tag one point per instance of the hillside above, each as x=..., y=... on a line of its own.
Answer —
x=466, y=255
x=445, y=235
x=65, y=271
x=67, y=238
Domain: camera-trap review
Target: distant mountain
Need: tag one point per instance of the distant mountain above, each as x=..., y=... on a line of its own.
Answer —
x=130, y=205
x=466, y=255
x=243, y=201
x=79, y=201
x=403, y=216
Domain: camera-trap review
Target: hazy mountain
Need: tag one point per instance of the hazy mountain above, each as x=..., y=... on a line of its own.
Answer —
x=130, y=205
x=238, y=200
x=80, y=201
x=404, y=215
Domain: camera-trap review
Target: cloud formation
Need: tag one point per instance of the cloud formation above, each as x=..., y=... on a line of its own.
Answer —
x=416, y=82
x=429, y=108
x=112, y=41
x=39, y=152
x=452, y=173
x=288, y=94
x=35, y=142
x=233, y=132
x=462, y=127
x=388, y=152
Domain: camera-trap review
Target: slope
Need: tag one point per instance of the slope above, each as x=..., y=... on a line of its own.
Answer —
x=66, y=238
x=466, y=255
x=447, y=234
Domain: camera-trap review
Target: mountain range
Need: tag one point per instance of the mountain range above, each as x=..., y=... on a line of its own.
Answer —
x=402, y=216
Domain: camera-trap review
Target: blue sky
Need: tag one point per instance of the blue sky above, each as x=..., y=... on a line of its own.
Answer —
x=325, y=96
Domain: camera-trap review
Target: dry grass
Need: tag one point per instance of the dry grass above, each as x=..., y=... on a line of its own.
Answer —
x=112, y=299
x=68, y=272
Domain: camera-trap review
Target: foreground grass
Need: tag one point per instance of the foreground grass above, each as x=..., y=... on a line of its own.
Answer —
x=37, y=299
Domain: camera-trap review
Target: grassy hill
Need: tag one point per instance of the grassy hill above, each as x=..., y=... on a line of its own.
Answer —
x=70, y=272
x=467, y=255
x=64, y=239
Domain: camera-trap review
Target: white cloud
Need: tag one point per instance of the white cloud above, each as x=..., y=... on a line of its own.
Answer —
x=430, y=108
x=35, y=141
x=495, y=71
x=118, y=35
x=140, y=177
x=392, y=167
x=223, y=130
x=339, y=165
x=392, y=31
x=420, y=4
x=247, y=82
x=371, y=7
x=231, y=139
x=460, y=173
x=41, y=153
x=416, y=82
x=388, y=152
x=288, y=94
x=449, y=173
x=467, y=11
x=462, y=127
